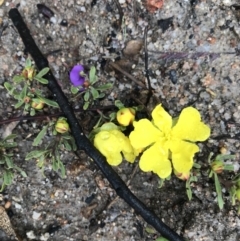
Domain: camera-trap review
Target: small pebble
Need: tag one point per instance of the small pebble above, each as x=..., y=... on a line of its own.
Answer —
x=31, y=235
x=36, y=215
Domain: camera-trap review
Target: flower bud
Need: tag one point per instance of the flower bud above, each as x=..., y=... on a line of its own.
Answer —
x=62, y=126
x=217, y=166
x=29, y=73
x=238, y=194
x=37, y=105
x=183, y=176
x=126, y=116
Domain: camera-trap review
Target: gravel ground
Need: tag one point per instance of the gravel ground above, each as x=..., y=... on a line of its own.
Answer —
x=81, y=207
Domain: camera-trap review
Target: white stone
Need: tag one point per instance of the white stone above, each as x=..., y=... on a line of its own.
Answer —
x=31, y=235
x=36, y=215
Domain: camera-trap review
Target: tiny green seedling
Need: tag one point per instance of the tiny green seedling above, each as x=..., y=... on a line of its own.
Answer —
x=6, y=162
x=217, y=167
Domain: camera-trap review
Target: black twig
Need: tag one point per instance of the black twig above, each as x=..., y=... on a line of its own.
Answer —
x=82, y=142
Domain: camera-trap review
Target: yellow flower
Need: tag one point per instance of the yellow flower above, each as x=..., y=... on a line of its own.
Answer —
x=112, y=143
x=165, y=140
x=126, y=116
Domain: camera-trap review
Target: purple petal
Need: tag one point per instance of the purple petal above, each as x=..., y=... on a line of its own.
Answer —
x=75, y=77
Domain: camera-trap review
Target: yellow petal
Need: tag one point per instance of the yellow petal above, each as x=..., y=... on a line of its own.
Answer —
x=182, y=155
x=144, y=134
x=109, y=146
x=162, y=119
x=126, y=147
x=155, y=159
x=190, y=127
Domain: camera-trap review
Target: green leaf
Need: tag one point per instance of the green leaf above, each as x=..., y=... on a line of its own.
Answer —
x=150, y=230
x=41, y=80
x=92, y=75
x=8, y=86
x=23, y=93
x=219, y=191
x=18, y=78
x=32, y=112
x=112, y=116
x=224, y=157
x=7, y=177
x=104, y=87
x=86, y=96
x=74, y=147
x=23, y=173
x=19, y=104
x=55, y=165
x=228, y=167
x=67, y=145
x=9, y=144
x=196, y=165
x=101, y=95
x=119, y=104
x=74, y=90
x=62, y=168
x=42, y=72
x=28, y=63
x=86, y=105
x=94, y=92
x=35, y=154
x=40, y=135
x=9, y=162
x=49, y=102
x=10, y=137
x=161, y=239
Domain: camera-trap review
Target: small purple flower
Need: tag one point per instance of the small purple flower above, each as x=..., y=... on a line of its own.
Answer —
x=75, y=75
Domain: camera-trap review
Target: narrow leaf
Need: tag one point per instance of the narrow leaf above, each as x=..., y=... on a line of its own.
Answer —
x=101, y=95
x=119, y=104
x=18, y=78
x=19, y=104
x=7, y=177
x=42, y=72
x=41, y=80
x=10, y=137
x=40, y=135
x=23, y=93
x=86, y=96
x=86, y=105
x=74, y=90
x=92, y=75
x=28, y=63
x=219, y=191
x=8, y=86
x=228, y=167
x=9, y=162
x=49, y=102
x=94, y=92
x=62, y=168
x=67, y=145
x=35, y=154
x=104, y=87
x=23, y=173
